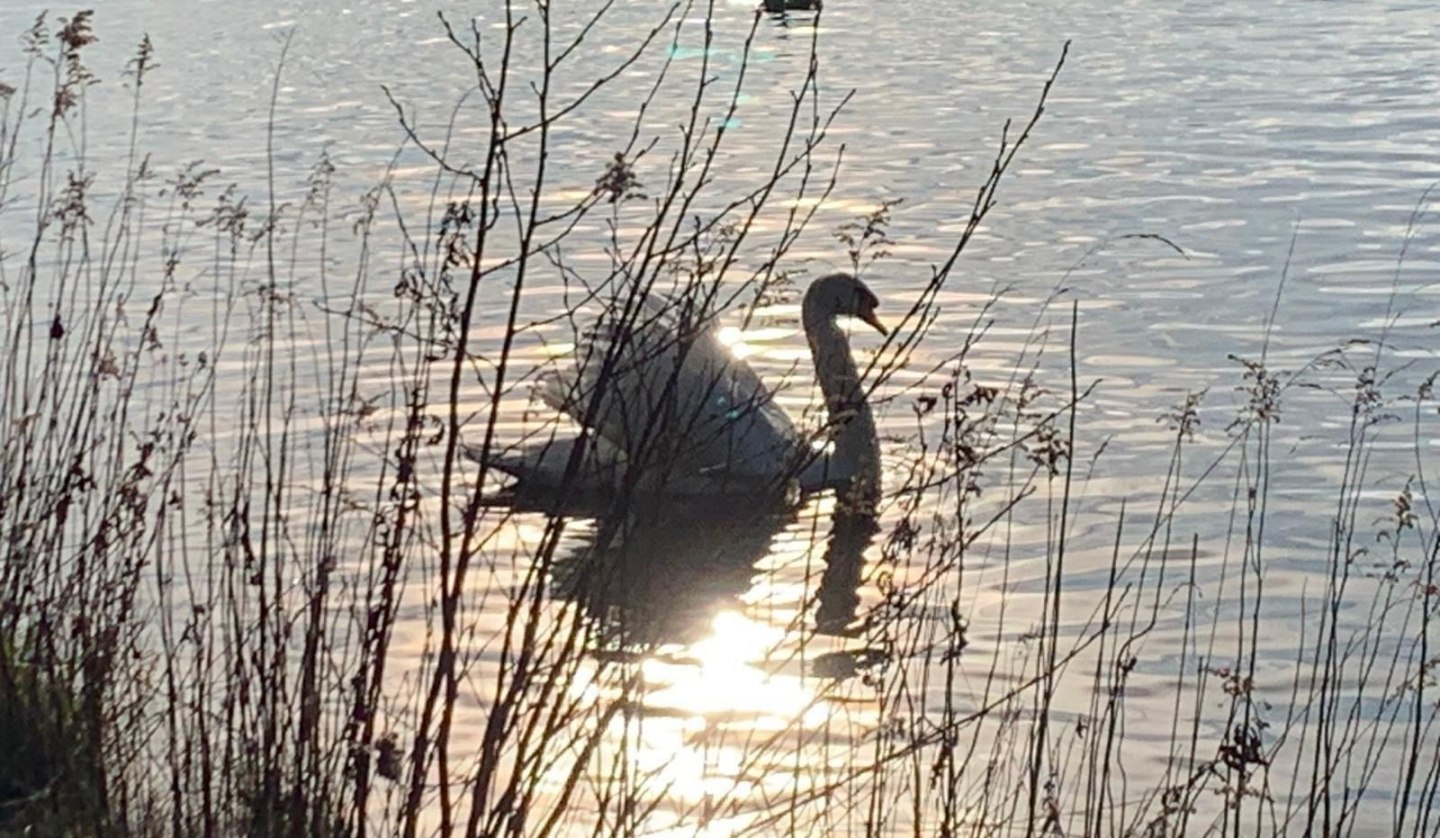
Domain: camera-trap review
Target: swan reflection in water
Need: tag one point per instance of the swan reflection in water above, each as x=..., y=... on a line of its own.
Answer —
x=661, y=576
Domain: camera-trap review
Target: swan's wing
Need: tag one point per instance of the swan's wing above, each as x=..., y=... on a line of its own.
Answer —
x=738, y=419
x=669, y=393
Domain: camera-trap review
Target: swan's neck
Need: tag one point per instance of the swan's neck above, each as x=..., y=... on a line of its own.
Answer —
x=852, y=427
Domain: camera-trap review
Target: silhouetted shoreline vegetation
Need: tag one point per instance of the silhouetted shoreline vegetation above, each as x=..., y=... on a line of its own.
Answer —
x=251, y=582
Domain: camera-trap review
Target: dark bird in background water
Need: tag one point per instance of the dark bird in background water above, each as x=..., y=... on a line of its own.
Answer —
x=777, y=6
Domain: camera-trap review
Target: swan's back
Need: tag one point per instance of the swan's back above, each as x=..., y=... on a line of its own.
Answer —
x=661, y=388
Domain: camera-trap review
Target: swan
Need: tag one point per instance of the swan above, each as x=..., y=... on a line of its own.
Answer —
x=668, y=409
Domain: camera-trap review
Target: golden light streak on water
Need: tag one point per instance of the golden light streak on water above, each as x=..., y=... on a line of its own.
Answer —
x=726, y=677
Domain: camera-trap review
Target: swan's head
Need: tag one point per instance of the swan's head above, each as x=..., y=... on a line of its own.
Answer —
x=841, y=295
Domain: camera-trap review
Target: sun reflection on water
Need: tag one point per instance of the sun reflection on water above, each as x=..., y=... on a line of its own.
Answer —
x=714, y=719
x=725, y=677
x=704, y=662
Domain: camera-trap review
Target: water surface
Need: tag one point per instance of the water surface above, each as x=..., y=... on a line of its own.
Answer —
x=1283, y=152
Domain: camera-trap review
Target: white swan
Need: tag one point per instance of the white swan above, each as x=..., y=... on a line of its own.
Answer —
x=668, y=409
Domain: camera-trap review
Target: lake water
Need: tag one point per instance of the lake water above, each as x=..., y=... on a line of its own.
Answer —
x=1200, y=169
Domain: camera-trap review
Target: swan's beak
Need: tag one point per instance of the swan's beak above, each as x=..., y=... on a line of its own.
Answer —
x=867, y=313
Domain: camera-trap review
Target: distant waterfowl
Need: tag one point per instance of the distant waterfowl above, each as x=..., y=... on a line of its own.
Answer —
x=668, y=408
x=793, y=5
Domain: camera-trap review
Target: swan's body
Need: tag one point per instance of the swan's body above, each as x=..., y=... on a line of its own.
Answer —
x=667, y=408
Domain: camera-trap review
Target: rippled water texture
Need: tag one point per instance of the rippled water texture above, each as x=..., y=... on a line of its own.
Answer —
x=1229, y=129
x=1200, y=169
